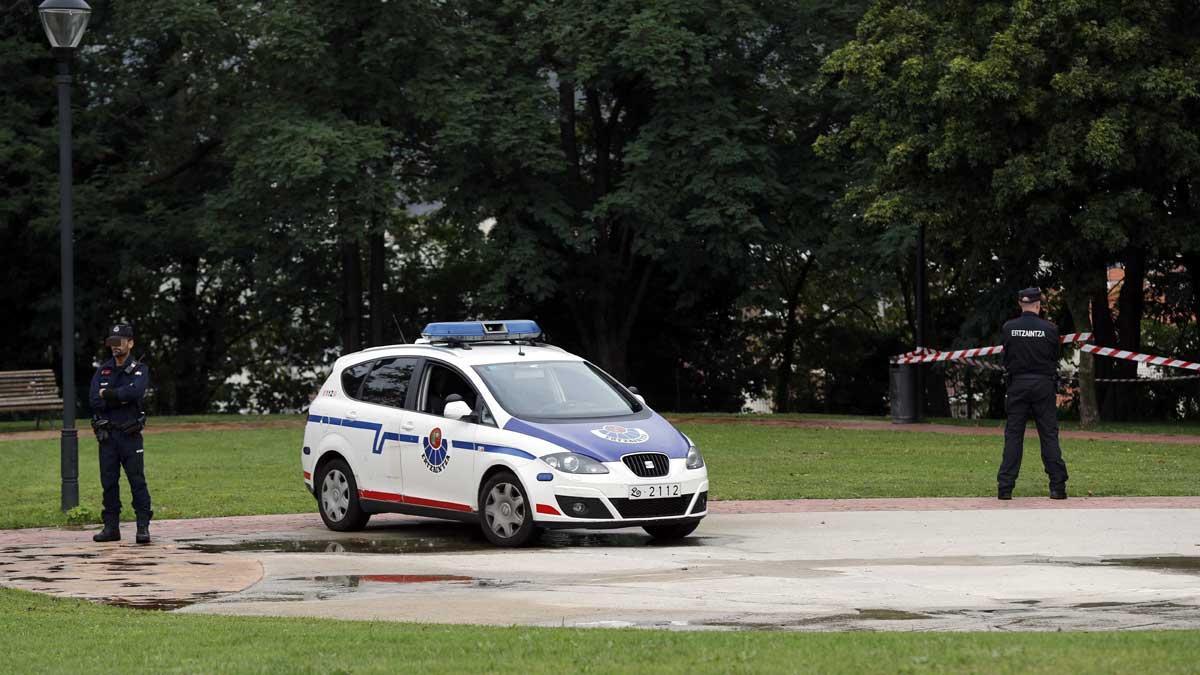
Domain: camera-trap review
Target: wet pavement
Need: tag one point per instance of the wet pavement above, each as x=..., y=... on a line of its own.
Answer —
x=1021, y=567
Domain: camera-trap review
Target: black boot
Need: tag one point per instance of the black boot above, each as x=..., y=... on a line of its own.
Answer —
x=143, y=533
x=109, y=533
x=1058, y=493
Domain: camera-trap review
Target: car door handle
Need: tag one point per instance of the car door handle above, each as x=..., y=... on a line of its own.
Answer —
x=352, y=415
x=407, y=426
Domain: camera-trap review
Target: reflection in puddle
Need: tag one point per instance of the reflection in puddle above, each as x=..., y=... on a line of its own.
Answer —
x=435, y=539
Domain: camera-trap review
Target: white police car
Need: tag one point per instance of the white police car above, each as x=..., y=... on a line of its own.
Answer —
x=478, y=421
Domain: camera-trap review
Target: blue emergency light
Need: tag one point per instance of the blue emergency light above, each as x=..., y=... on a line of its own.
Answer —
x=479, y=331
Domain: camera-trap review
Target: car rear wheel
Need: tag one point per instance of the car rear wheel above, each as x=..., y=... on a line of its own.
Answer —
x=669, y=532
x=337, y=498
x=507, y=519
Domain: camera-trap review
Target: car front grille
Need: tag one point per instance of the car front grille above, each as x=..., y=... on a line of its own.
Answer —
x=651, y=508
x=648, y=464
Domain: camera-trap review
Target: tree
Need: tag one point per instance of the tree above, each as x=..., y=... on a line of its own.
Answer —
x=1050, y=132
x=620, y=147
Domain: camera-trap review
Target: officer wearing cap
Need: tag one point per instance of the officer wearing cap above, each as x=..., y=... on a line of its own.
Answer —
x=1031, y=349
x=117, y=393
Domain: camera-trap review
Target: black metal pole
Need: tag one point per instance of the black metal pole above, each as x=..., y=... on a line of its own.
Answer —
x=69, y=445
x=920, y=328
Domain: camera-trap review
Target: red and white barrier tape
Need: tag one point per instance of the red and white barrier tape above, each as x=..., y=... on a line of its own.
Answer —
x=1148, y=359
x=927, y=356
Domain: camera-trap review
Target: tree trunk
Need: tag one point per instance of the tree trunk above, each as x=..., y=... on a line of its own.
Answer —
x=1192, y=262
x=1122, y=397
x=187, y=387
x=1089, y=409
x=783, y=376
x=351, y=304
x=379, y=313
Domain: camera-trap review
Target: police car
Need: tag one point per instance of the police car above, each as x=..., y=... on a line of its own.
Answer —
x=480, y=421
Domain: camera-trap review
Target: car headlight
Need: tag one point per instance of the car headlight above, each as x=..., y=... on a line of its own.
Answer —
x=569, y=462
x=695, y=460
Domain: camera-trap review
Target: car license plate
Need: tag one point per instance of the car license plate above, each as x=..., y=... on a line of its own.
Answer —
x=654, y=491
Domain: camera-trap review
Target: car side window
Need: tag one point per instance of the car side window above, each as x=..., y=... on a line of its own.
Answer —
x=352, y=377
x=441, y=382
x=387, y=383
x=486, y=417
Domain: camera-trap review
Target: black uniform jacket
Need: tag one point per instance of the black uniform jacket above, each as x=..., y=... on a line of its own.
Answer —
x=130, y=389
x=1030, y=346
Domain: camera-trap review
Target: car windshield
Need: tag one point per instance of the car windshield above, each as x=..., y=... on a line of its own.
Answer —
x=555, y=390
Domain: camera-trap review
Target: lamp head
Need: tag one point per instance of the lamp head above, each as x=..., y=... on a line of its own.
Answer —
x=64, y=21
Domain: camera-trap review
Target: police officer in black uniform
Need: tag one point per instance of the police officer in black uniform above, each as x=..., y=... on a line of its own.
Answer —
x=1031, y=349
x=118, y=390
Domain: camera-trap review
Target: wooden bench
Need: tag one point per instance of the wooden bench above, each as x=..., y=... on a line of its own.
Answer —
x=29, y=391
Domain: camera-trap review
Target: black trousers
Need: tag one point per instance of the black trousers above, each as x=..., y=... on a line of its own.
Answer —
x=119, y=451
x=1031, y=396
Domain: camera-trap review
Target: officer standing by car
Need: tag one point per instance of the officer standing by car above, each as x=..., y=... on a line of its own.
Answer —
x=117, y=394
x=1031, y=349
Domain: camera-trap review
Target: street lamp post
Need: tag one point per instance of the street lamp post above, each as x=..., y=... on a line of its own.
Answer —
x=64, y=22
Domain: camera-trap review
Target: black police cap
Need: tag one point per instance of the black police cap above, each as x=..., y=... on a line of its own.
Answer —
x=118, y=331
x=1030, y=295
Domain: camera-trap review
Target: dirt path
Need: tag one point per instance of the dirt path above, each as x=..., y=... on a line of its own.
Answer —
x=853, y=425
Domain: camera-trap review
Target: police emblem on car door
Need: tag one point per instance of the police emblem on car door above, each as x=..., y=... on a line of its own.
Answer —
x=439, y=471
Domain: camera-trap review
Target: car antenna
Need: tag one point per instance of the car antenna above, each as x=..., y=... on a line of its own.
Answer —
x=399, y=329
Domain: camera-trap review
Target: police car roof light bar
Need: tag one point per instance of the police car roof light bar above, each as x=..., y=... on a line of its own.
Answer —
x=481, y=331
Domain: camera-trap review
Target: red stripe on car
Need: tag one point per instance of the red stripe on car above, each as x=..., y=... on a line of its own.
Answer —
x=548, y=510
x=415, y=501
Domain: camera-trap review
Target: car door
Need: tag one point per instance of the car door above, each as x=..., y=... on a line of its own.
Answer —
x=387, y=424
x=439, y=472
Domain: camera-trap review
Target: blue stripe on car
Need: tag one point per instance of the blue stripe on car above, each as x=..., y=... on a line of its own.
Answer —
x=385, y=436
x=506, y=451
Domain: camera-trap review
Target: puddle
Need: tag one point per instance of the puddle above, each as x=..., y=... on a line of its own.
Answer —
x=380, y=545
x=353, y=580
x=446, y=540
x=44, y=579
x=586, y=539
x=156, y=604
x=1166, y=563
x=889, y=615
x=1101, y=605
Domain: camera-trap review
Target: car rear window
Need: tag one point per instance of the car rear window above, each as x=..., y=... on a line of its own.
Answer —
x=352, y=377
x=387, y=383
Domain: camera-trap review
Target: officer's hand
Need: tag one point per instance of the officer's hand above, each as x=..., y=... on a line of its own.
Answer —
x=108, y=395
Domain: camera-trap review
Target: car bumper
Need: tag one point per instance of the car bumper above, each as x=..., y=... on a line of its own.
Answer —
x=603, y=502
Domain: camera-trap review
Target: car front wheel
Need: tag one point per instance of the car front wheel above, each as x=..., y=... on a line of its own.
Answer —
x=507, y=517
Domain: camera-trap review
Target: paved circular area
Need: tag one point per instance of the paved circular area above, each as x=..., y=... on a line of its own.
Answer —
x=948, y=564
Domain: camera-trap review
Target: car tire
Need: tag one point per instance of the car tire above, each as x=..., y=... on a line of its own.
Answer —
x=505, y=512
x=671, y=532
x=337, y=498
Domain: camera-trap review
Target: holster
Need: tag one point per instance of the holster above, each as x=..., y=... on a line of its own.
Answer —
x=100, y=427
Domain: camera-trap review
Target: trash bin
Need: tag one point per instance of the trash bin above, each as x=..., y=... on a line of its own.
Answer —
x=903, y=393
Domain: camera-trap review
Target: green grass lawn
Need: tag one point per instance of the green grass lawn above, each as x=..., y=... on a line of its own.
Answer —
x=1173, y=428
x=257, y=471
x=44, y=634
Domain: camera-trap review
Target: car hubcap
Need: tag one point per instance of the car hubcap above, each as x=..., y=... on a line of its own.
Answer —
x=505, y=510
x=335, y=495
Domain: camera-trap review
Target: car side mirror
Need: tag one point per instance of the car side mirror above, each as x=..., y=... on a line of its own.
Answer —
x=638, y=395
x=457, y=410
